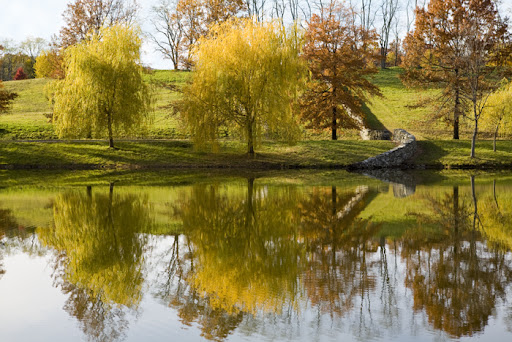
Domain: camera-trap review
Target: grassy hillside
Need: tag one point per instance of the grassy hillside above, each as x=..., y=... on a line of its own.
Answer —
x=408, y=108
x=399, y=107
x=26, y=119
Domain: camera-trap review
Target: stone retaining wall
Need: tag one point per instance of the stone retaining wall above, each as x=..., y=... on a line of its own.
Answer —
x=394, y=157
x=375, y=134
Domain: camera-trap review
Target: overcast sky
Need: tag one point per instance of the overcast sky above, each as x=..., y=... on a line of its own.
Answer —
x=20, y=19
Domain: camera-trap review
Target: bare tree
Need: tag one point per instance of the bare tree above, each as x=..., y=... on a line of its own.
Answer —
x=388, y=11
x=367, y=15
x=278, y=9
x=32, y=47
x=169, y=28
x=484, y=31
x=256, y=8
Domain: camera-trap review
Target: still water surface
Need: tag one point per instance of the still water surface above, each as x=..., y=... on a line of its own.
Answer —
x=258, y=259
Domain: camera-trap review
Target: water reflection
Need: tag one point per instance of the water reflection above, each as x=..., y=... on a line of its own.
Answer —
x=283, y=261
x=99, y=262
x=454, y=275
x=7, y=222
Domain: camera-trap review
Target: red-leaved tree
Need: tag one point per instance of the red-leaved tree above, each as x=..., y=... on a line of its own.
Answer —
x=20, y=74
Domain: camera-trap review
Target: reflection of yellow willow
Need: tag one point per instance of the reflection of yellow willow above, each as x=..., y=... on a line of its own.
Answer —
x=100, y=236
x=245, y=246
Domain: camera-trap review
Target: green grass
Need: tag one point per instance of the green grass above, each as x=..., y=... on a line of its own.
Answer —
x=398, y=108
x=31, y=95
x=166, y=123
x=455, y=153
x=26, y=119
x=408, y=108
x=176, y=154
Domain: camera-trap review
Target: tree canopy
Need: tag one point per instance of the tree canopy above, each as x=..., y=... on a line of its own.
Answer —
x=247, y=78
x=442, y=50
x=83, y=17
x=339, y=56
x=103, y=91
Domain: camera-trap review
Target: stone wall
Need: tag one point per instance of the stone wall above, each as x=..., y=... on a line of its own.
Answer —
x=393, y=158
x=375, y=134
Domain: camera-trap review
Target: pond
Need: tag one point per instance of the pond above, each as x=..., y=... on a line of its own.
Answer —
x=259, y=257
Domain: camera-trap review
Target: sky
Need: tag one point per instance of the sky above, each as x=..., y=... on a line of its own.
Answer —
x=20, y=19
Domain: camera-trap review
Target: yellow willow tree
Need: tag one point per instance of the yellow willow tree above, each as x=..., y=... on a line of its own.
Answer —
x=247, y=77
x=103, y=92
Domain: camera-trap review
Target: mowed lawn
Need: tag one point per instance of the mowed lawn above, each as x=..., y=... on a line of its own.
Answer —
x=167, y=137
x=29, y=116
x=177, y=154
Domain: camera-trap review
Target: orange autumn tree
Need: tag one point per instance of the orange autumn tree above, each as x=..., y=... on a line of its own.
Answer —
x=454, y=46
x=340, y=59
x=197, y=16
x=83, y=17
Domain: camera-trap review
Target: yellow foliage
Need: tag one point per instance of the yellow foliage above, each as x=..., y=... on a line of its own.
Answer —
x=247, y=76
x=49, y=64
x=498, y=110
x=103, y=91
x=100, y=235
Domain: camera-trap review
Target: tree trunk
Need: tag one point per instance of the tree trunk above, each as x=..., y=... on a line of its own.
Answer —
x=334, y=124
x=110, y=135
x=456, y=109
x=495, y=136
x=383, y=55
x=249, y=217
x=473, y=139
x=456, y=209
x=494, y=194
x=333, y=201
x=473, y=194
x=250, y=139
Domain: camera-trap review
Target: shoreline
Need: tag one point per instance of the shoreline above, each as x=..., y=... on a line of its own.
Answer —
x=181, y=155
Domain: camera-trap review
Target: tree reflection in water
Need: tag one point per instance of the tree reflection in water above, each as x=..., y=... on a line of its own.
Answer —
x=245, y=249
x=7, y=222
x=264, y=250
x=454, y=276
x=255, y=258
x=100, y=248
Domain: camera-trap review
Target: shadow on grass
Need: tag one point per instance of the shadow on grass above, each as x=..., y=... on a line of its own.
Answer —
x=431, y=152
x=371, y=120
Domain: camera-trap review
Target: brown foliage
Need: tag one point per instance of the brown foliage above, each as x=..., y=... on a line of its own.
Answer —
x=197, y=16
x=439, y=51
x=340, y=57
x=85, y=16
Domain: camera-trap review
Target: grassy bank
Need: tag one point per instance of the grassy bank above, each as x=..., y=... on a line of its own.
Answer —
x=455, y=154
x=397, y=108
x=181, y=154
